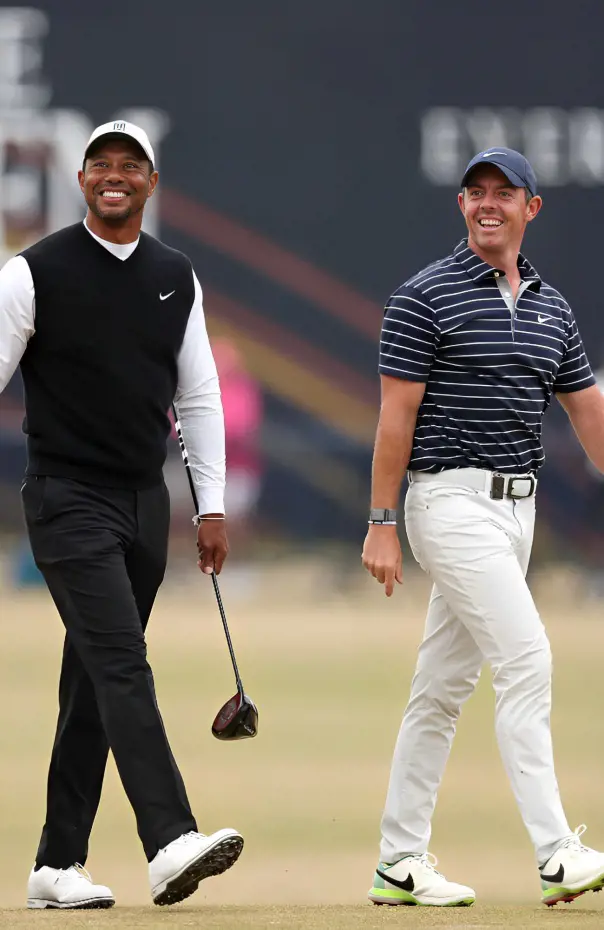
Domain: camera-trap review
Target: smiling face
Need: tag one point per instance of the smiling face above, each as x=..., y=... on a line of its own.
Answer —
x=117, y=181
x=496, y=212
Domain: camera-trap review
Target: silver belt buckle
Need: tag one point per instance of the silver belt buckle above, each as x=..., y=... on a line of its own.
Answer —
x=531, y=491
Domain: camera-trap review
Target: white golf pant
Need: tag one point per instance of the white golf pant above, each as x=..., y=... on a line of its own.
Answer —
x=476, y=551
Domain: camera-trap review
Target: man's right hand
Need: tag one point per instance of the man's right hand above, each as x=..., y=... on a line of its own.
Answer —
x=382, y=556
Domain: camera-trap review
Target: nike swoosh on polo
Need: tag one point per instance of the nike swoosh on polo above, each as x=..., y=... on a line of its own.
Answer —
x=556, y=879
x=407, y=885
x=165, y=296
x=542, y=319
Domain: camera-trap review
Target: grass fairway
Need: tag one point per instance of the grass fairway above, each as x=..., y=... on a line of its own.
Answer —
x=309, y=917
x=329, y=666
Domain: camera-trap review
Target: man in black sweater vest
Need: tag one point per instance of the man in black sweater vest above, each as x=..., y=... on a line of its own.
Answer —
x=107, y=324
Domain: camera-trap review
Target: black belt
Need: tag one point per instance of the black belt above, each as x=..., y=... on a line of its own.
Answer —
x=516, y=487
x=505, y=486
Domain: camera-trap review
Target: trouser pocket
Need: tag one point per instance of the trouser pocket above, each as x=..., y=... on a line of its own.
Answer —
x=33, y=498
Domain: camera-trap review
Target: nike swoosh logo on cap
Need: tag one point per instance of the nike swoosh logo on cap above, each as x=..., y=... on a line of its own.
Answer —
x=542, y=319
x=407, y=885
x=165, y=296
x=556, y=879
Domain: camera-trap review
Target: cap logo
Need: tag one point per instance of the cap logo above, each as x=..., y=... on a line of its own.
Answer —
x=119, y=127
x=488, y=154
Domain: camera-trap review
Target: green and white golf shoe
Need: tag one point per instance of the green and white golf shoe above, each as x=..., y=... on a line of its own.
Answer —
x=571, y=871
x=414, y=880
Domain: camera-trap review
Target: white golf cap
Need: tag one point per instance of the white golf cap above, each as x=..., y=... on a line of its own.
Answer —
x=121, y=129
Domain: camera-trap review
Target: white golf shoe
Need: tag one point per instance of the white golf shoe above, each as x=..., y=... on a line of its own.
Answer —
x=414, y=880
x=571, y=871
x=178, y=868
x=66, y=888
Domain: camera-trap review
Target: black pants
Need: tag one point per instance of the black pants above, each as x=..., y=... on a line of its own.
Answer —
x=103, y=555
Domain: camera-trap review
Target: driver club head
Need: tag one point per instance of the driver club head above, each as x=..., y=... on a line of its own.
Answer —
x=237, y=719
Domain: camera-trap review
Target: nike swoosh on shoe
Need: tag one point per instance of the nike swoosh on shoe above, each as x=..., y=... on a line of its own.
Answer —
x=557, y=878
x=407, y=885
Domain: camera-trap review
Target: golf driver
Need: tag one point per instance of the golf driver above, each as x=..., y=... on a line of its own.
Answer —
x=238, y=718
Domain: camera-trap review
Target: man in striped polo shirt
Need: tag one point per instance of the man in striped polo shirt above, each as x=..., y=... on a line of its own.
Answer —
x=472, y=349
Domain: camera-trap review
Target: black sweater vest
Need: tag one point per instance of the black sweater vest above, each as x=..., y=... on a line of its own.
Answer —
x=100, y=371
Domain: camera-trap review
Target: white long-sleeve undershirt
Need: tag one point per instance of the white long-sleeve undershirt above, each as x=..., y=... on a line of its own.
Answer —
x=197, y=401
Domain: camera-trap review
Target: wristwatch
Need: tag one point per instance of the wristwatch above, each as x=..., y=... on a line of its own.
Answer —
x=379, y=515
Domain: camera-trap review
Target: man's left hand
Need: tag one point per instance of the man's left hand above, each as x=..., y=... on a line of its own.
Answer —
x=212, y=544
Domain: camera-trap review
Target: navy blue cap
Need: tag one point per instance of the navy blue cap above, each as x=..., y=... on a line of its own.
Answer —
x=515, y=166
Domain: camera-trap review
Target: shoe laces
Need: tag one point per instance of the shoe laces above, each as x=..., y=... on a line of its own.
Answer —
x=182, y=840
x=188, y=837
x=429, y=861
x=574, y=840
x=76, y=867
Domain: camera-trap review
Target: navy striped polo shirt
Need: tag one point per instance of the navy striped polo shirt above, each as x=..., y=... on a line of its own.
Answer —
x=490, y=370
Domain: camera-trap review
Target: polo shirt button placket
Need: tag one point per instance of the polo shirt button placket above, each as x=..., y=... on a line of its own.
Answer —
x=462, y=300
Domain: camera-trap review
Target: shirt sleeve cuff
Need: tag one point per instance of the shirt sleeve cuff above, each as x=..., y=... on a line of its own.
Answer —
x=210, y=500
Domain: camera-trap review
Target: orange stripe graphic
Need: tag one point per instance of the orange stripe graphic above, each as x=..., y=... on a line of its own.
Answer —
x=285, y=374
x=258, y=252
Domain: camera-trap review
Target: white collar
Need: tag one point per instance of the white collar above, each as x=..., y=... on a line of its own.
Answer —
x=120, y=251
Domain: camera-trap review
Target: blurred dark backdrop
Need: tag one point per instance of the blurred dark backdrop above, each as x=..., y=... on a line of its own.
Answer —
x=310, y=156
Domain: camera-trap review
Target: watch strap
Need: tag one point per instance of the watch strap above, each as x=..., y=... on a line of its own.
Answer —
x=382, y=515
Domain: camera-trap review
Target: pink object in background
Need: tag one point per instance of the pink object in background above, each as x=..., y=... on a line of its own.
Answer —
x=243, y=412
x=242, y=405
